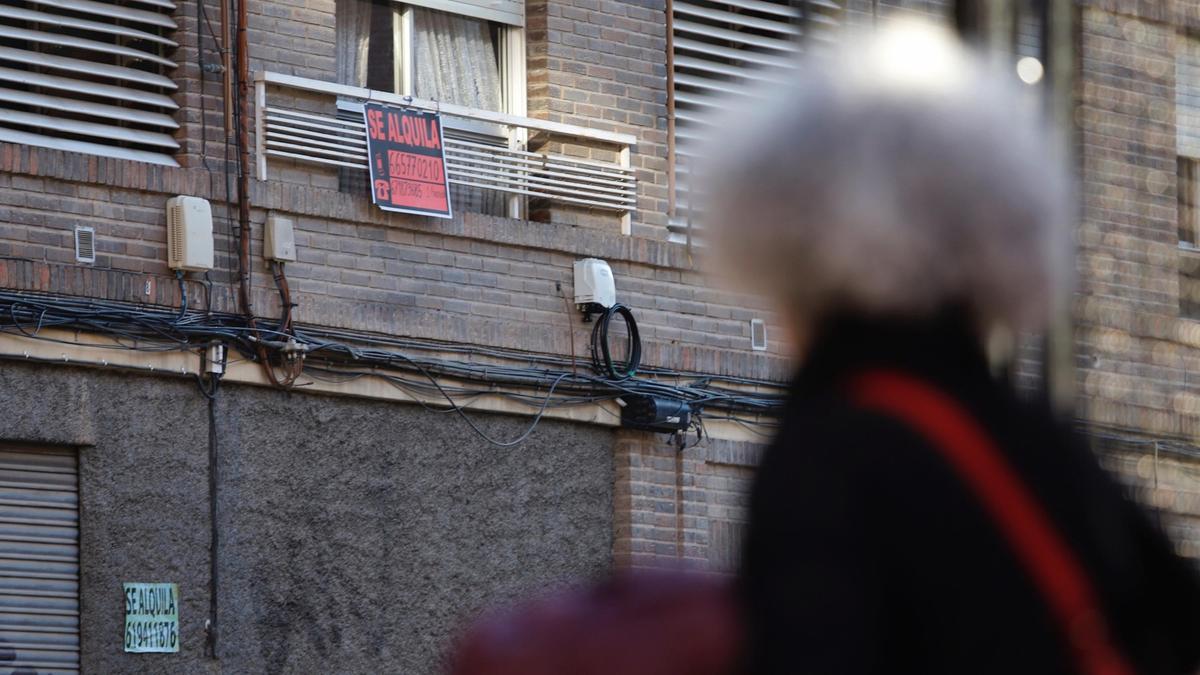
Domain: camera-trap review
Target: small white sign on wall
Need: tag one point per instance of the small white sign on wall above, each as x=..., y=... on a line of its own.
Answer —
x=151, y=617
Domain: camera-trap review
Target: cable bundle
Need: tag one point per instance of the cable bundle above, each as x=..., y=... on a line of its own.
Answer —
x=406, y=363
x=601, y=352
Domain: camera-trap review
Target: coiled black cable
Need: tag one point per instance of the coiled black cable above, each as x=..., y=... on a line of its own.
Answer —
x=602, y=359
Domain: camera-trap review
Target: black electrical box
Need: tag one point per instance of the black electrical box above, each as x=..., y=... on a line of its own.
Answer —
x=655, y=413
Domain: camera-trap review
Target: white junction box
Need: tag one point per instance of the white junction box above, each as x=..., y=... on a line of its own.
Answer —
x=189, y=234
x=279, y=239
x=594, y=283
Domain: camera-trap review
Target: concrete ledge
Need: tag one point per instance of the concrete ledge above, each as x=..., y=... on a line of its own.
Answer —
x=96, y=351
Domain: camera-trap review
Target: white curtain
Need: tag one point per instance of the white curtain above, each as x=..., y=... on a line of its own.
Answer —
x=353, y=21
x=362, y=61
x=454, y=61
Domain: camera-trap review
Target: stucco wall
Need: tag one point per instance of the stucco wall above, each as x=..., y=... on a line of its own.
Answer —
x=354, y=534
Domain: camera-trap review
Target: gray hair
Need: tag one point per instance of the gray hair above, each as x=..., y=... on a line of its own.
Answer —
x=896, y=177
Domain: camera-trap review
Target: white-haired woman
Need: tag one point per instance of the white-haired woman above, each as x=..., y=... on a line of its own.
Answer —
x=913, y=515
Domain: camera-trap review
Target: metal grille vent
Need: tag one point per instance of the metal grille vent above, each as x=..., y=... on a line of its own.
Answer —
x=758, y=335
x=88, y=76
x=85, y=244
x=175, y=234
x=721, y=49
x=39, y=561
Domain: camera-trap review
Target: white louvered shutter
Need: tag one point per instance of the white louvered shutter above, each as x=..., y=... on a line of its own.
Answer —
x=89, y=76
x=39, y=561
x=720, y=48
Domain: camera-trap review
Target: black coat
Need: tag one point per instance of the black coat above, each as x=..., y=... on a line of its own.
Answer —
x=866, y=554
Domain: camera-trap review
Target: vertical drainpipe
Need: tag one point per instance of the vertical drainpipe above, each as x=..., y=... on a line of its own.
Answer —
x=1061, y=61
x=243, y=134
x=226, y=72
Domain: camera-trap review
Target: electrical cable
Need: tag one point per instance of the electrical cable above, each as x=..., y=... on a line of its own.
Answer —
x=602, y=360
x=285, y=296
x=208, y=284
x=214, y=535
x=183, y=301
x=339, y=355
x=570, y=327
x=317, y=333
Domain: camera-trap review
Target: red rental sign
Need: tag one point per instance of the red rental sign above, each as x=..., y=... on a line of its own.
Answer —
x=408, y=168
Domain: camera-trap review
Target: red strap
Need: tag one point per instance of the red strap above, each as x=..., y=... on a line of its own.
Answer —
x=1032, y=536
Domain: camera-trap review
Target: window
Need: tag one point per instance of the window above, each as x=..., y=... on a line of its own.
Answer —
x=39, y=560
x=1186, y=200
x=1187, y=137
x=720, y=47
x=88, y=77
x=1187, y=171
x=452, y=51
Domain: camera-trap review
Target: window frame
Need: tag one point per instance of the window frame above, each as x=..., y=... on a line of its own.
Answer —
x=511, y=64
x=510, y=53
x=510, y=61
x=1187, y=201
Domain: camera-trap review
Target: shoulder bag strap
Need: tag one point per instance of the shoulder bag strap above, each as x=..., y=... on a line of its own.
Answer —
x=1016, y=512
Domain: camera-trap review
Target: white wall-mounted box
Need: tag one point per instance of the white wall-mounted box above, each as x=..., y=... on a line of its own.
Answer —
x=279, y=239
x=594, y=283
x=189, y=234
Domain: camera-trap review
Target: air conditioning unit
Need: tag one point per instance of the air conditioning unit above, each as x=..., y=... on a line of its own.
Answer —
x=189, y=234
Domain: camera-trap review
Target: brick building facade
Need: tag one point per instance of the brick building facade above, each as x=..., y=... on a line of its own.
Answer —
x=274, y=510
x=1136, y=335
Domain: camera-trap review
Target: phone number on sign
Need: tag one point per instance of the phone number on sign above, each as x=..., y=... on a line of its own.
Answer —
x=408, y=166
x=151, y=635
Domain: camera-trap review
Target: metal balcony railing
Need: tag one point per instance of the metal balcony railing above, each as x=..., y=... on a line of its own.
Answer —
x=305, y=120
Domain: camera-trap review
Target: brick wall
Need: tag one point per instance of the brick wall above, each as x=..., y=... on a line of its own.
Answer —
x=501, y=282
x=676, y=506
x=478, y=279
x=294, y=37
x=1166, y=479
x=1136, y=355
x=490, y=281
x=597, y=63
x=602, y=64
x=1132, y=363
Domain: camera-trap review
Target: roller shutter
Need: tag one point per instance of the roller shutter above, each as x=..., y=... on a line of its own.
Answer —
x=39, y=561
x=89, y=76
x=720, y=48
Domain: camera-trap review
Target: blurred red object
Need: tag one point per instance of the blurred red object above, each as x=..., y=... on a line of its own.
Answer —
x=637, y=623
